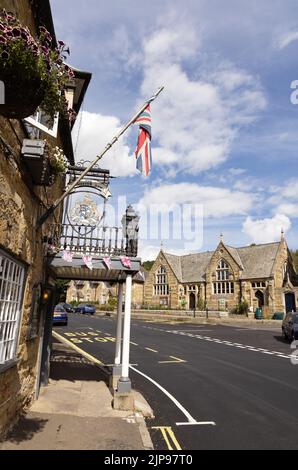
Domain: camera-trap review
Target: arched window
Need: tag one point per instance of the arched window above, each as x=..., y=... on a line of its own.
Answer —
x=161, y=286
x=222, y=284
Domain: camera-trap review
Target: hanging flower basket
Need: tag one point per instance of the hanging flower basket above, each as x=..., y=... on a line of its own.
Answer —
x=32, y=71
x=43, y=162
x=18, y=104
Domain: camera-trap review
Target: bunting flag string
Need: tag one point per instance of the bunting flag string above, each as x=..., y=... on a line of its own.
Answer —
x=125, y=262
x=88, y=261
x=67, y=256
x=107, y=261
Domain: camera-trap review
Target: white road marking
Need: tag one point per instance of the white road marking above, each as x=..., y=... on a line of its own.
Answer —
x=230, y=343
x=190, y=419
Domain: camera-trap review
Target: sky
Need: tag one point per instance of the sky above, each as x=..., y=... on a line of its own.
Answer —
x=224, y=130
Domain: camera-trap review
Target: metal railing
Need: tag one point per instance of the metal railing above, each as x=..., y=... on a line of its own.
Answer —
x=90, y=240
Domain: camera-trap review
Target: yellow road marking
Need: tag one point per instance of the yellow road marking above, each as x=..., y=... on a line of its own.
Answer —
x=84, y=353
x=153, y=350
x=176, y=360
x=167, y=433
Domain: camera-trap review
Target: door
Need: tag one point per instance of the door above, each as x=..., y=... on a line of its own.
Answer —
x=260, y=296
x=290, y=302
x=192, y=301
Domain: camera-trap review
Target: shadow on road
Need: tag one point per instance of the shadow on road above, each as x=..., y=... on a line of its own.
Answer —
x=67, y=364
x=281, y=339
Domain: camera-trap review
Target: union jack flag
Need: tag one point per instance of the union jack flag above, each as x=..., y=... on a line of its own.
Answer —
x=143, y=150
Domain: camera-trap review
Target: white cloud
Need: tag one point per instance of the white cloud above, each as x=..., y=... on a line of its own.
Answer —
x=288, y=209
x=217, y=202
x=95, y=131
x=237, y=171
x=170, y=46
x=266, y=230
x=195, y=120
x=148, y=252
x=286, y=38
x=285, y=198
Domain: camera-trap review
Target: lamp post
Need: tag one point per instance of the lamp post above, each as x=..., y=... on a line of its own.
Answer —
x=130, y=226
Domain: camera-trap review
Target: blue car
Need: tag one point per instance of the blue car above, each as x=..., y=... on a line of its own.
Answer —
x=60, y=316
x=85, y=308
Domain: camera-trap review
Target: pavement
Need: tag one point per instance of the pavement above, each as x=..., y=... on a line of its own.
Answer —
x=200, y=318
x=74, y=412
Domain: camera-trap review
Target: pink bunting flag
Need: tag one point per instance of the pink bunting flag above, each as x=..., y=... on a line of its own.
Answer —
x=107, y=261
x=88, y=261
x=126, y=262
x=67, y=256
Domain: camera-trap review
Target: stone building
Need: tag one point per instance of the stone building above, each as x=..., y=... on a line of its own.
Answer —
x=261, y=275
x=26, y=290
x=90, y=291
x=101, y=292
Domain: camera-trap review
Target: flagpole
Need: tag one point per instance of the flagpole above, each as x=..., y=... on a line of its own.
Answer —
x=71, y=187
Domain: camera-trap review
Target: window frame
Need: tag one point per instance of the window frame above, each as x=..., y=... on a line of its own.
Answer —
x=14, y=287
x=161, y=285
x=222, y=284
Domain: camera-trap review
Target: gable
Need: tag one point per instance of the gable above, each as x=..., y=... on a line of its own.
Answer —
x=163, y=259
x=225, y=253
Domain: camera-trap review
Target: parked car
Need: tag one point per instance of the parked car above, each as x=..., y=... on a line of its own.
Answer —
x=69, y=308
x=85, y=308
x=290, y=326
x=60, y=316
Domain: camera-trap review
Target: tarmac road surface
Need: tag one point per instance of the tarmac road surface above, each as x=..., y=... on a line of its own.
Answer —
x=210, y=386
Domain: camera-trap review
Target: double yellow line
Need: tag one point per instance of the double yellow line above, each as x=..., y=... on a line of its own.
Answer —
x=169, y=437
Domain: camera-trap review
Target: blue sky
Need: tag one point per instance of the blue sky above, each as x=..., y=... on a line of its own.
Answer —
x=225, y=131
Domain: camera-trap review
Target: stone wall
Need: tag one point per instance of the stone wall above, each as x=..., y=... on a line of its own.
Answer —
x=149, y=297
x=21, y=203
x=231, y=299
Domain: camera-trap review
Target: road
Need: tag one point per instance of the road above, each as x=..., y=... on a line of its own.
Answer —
x=210, y=386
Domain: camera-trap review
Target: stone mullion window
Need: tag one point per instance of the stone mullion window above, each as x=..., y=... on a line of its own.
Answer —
x=161, y=286
x=222, y=285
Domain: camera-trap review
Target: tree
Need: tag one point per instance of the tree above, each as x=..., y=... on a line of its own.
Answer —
x=147, y=265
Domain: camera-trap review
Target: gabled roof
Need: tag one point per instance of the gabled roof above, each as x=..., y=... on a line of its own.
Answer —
x=255, y=261
x=194, y=266
x=235, y=255
x=175, y=263
x=258, y=260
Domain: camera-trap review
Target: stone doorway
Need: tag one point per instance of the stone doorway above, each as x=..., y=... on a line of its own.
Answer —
x=260, y=297
x=192, y=301
x=290, y=302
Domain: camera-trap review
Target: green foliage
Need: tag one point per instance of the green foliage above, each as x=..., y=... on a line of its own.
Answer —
x=201, y=304
x=241, y=308
x=147, y=265
x=106, y=308
x=112, y=302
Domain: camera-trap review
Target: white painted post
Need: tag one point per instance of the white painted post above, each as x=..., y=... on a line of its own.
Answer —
x=124, y=384
x=119, y=326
